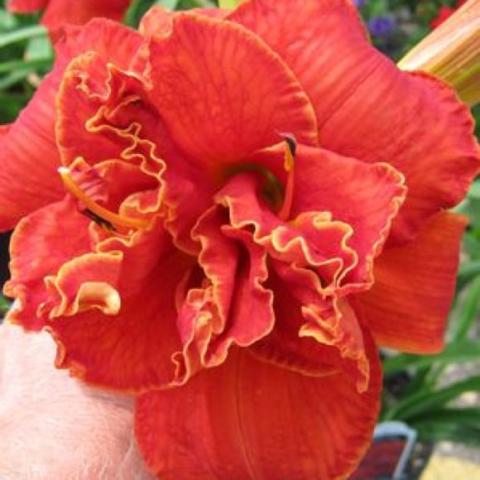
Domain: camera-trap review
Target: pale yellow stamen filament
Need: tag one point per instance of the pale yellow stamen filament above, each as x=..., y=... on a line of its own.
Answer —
x=103, y=213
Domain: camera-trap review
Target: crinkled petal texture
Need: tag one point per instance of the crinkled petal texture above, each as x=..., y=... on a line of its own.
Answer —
x=95, y=302
x=87, y=291
x=38, y=249
x=113, y=320
x=367, y=108
x=223, y=93
x=407, y=307
x=249, y=419
x=61, y=12
x=114, y=323
x=30, y=156
x=313, y=260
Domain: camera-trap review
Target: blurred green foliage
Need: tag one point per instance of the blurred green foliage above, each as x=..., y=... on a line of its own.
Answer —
x=25, y=56
x=427, y=391
x=416, y=387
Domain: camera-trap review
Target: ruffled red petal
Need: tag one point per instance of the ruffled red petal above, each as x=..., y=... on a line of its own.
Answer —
x=41, y=243
x=110, y=40
x=312, y=239
x=435, y=136
x=320, y=40
x=113, y=313
x=367, y=108
x=366, y=197
x=157, y=22
x=314, y=334
x=315, y=258
x=28, y=177
x=230, y=306
x=103, y=114
x=61, y=12
x=414, y=286
x=341, y=214
x=248, y=419
x=223, y=93
x=100, y=84
x=26, y=6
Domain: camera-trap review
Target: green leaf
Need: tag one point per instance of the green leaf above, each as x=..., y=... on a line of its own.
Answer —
x=37, y=48
x=469, y=309
x=468, y=271
x=459, y=425
x=170, y=4
x=475, y=190
x=448, y=432
x=187, y=4
x=467, y=415
x=424, y=402
x=13, y=77
x=419, y=381
x=4, y=305
x=30, y=65
x=11, y=104
x=22, y=34
x=7, y=20
x=228, y=3
x=461, y=351
x=136, y=11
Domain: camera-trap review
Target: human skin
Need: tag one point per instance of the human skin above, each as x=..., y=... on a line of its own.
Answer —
x=52, y=426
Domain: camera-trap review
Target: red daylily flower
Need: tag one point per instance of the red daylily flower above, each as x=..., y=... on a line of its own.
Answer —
x=60, y=12
x=444, y=13
x=224, y=213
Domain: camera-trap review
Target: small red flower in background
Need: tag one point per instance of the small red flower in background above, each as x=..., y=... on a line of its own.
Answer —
x=240, y=218
x=444, y=13
x=59, y=12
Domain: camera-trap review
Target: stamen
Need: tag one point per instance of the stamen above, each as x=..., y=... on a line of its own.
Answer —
x=289, y=166
x=109, y=217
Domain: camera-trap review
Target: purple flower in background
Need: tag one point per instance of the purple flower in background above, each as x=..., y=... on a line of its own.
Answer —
x=359, y=3
x=382, y=26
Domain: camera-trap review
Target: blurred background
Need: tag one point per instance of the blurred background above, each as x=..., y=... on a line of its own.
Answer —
x=437, y=396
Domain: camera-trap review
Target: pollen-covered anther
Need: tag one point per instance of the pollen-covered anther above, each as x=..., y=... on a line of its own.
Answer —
x=104, y=216
x=289, y=166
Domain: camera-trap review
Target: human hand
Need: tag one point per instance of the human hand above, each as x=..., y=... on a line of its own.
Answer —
x=54, y=427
